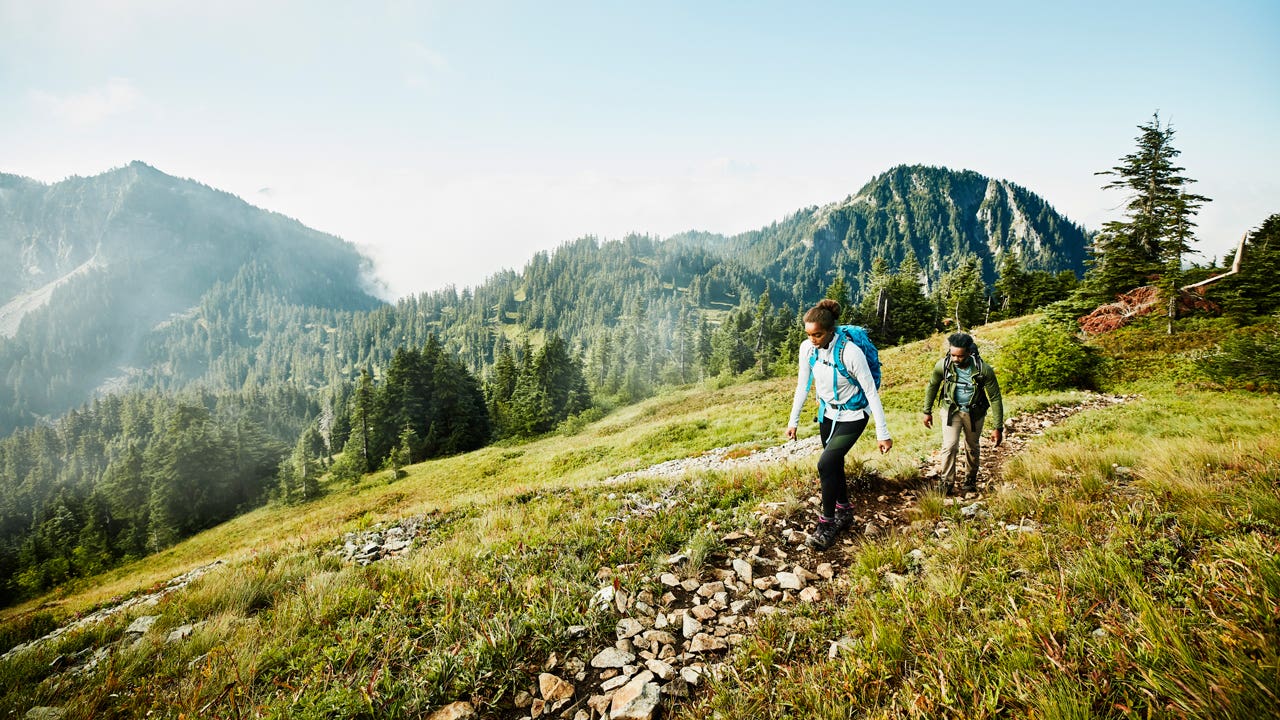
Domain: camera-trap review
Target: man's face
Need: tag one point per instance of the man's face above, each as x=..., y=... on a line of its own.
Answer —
x=959, y=356
x=818, y=335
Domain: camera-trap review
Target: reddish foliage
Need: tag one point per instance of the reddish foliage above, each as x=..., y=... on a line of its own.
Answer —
x=1140, y=301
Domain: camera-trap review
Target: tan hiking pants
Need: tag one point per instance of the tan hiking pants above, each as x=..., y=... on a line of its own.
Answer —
x=954, y=426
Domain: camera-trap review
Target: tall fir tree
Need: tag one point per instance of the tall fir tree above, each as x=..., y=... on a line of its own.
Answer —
x=961, y=296
x=1155, y=232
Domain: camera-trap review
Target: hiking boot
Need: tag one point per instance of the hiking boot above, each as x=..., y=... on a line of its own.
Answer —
x=844, y=519
x=824, y=535
x=971, y=485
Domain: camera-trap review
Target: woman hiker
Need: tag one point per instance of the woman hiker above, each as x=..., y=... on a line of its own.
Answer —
x=844, y=406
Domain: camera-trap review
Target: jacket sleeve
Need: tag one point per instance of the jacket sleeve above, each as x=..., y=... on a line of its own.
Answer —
x=803, y=372
x=992, y=387
x=932, y=392
x=856, y=360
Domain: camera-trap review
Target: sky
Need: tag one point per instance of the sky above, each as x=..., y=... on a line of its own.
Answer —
x=451, y=140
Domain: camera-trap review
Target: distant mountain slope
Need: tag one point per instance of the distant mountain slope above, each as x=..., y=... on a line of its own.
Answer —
x=137, y=278
x=937, y=214
x=100, y=262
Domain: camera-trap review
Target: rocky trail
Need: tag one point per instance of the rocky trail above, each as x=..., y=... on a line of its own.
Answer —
x=669, y=640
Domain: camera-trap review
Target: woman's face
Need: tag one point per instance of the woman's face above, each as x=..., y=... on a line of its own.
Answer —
x=818, y=335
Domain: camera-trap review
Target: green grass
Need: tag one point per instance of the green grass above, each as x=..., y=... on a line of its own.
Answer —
x=1150, y=587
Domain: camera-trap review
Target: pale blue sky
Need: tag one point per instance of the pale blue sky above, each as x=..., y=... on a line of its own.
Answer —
x=454, y=139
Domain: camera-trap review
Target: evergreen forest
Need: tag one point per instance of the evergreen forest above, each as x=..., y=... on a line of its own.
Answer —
x=135, y=419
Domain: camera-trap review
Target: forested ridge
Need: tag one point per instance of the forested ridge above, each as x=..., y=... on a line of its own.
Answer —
x=271, y=373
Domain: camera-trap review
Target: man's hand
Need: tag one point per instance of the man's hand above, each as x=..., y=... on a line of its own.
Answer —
x=928, y=420
x=997, y=436
x=791, y=433
x=886, y=446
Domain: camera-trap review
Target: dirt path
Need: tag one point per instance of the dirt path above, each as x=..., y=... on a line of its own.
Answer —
x=879, y=507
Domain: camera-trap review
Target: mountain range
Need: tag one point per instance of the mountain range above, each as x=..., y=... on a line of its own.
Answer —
x=134, y=278
x=99, y=265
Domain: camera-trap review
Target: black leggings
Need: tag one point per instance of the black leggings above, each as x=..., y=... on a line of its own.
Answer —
x=837, y=440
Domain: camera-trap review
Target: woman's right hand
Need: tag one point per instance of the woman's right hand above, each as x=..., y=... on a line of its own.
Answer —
x=791, y=433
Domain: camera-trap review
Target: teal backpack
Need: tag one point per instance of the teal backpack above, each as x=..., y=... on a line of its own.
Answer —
x=858, y=335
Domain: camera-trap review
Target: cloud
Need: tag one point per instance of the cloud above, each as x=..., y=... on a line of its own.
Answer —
x=118, y=96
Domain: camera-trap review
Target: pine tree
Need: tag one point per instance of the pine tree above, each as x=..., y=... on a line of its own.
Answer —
x=1155, y=233
x=911, y=315
x=1013, y=286
x=364, y=419
x=961, y=296
x=762, y=333
x=1255, y=290
x=840, y=292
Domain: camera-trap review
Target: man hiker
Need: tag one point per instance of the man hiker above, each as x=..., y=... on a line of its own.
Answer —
x=969, y=389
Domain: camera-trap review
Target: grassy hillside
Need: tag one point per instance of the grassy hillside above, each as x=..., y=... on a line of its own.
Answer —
x=1140, y=576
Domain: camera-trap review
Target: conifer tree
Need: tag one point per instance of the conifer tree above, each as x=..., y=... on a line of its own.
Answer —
x=1155, y=233
x=961, y=296
x=762, y=332
x=840, y=292
x=1013, y=286
x=364, y=419
x=1255, y=290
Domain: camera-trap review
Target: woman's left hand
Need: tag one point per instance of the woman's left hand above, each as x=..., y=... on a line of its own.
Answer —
x=886, y=446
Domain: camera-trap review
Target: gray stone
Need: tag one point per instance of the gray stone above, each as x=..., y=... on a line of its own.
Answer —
x=661, y=637
x=628, y=628
x=637, y=700
x=691, y=626
x=662, y=669
x=396, y=546
x=805, y=574
x=611, y=658
x=789, y=581
x=692, y=673
x=603, y=597
x=142, y=624
x=181, y=632
x=702, y=612
x=615, y=682
x=703, y=642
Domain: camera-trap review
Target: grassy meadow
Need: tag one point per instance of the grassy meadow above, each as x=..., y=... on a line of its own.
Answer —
x=1150, y=586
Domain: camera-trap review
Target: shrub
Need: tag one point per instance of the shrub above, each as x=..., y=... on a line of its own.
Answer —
x=1248, y=360
x=1044, y=356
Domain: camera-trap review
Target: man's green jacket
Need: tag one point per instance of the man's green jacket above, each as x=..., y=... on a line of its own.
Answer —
x=986, y=395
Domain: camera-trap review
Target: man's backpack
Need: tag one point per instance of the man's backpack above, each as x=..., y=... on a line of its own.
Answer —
x=979, y=377
x=858, y=336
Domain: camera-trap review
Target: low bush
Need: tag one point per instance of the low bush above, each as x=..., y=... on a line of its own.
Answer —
x=1044, y=356
x=1249, y=360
